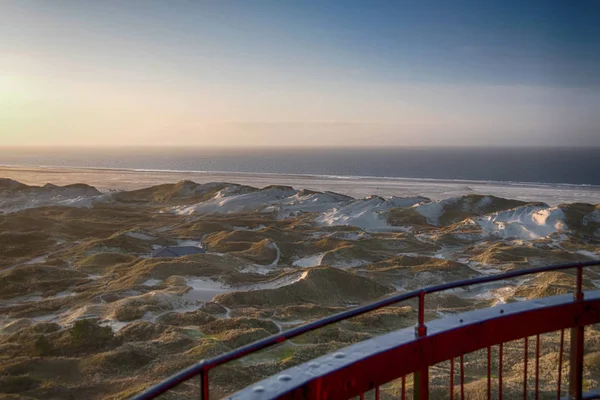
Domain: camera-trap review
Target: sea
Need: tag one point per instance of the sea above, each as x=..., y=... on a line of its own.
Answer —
x=545, y=165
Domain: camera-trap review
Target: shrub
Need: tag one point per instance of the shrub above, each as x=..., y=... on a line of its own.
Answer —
x=42, y=346
x=88, y=333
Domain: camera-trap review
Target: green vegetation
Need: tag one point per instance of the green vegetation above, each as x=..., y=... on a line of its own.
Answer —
x=42, y=346
x=87, y=333
x=123, y=320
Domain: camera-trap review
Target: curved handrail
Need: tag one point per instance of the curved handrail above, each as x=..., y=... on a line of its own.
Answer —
x=204, y=366
x=352, y=371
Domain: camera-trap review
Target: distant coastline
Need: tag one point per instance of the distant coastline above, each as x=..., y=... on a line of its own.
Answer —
x=435, y=189
x=304, y=175
x=517, y=166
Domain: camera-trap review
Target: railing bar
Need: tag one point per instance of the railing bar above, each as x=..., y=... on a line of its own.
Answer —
x=404, y=387
x=576, y=354
x=421, y=378
x=462, y=378
x=380, y=304
x=537, y=365
x=579, y=286
x=205, y=390
x=362, y=396
x=377, y=393
x=452, y=379
x=525, y=355
x=289, y=334
x=577, y=346
x=560, y=359
x=500, y=350
x=506, y=275
x=421, y=328
x=489, y=373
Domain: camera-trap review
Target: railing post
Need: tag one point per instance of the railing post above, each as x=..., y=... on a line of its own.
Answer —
x=204, y=384
x=421, y=377
x=577, y=339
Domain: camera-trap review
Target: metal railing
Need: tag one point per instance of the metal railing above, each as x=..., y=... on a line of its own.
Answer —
x=430, y=348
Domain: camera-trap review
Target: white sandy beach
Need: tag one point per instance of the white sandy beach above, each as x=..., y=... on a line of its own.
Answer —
x=122, y=179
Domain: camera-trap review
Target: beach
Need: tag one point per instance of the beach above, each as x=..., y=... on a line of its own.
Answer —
x=128, y=179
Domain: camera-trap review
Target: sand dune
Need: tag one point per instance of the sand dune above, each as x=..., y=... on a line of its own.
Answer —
x=80, y=293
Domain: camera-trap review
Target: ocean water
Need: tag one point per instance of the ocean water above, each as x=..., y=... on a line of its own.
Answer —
x=575, y=166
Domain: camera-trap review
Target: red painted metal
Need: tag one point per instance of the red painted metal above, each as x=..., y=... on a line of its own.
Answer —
x=377, y=393
x=421, y=328
x=576, y=361
x=204, y=387
x=577, y=345
x=428, y=349
x=537, y=365
x=579, y=284
x=462, y=377
x=525, y=360
x=433, y=349
x=452, y=378
x=500, y=354
x=403, y=387
x=560, y=359
x=489, y=373
x=421, y=377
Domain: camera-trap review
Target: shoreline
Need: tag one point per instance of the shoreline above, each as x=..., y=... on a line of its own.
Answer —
x=436, y=189
x=300, y=175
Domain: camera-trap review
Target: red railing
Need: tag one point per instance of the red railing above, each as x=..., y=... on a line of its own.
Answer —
x=365, y=366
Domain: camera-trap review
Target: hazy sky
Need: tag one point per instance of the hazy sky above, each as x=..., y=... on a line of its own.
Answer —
x=219, y=72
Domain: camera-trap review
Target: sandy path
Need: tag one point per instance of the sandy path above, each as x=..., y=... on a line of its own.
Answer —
x=435, y=189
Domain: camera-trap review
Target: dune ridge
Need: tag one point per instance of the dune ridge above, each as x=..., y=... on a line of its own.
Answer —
x=81, y=297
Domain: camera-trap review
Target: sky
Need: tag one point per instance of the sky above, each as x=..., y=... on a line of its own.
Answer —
x=299, y=73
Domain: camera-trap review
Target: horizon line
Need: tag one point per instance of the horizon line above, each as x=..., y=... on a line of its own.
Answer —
x=341, y=146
